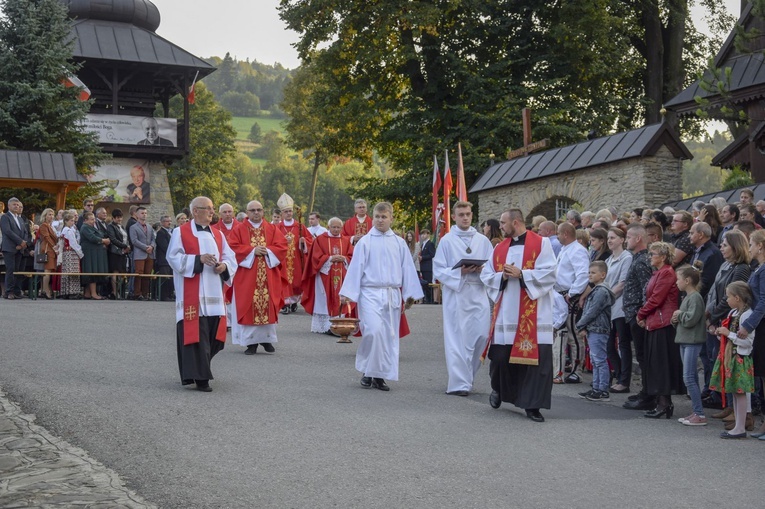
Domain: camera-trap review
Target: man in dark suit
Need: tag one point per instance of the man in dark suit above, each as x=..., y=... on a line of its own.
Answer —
x=427, y=252
x=87, y=206
x=105, y=287
x=160, y=264
x=16, y=240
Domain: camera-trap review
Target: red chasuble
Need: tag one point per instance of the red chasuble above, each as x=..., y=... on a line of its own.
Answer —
x=258, y=289
x=525, y=346
x=191, y=289
x=353, y=227
x=294, y=260
x=322, y=248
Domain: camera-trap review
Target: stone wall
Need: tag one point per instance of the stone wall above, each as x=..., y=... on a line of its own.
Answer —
x=639, y=182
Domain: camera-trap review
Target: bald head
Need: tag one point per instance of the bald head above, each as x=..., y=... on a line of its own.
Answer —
x=566, y=233
x=202, y=210
x=226, y=213
x=255, y=211
x=547, y=229
x=335, y=226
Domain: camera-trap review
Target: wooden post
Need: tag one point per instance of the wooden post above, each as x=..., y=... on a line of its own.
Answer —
x=526, y=113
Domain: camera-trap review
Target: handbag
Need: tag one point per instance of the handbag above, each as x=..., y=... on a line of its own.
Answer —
x=41, y=258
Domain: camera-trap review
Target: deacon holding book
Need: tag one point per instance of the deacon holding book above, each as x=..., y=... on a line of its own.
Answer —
x=466, y=310
x=200, y=258
x=380, y=277
x=520, y=276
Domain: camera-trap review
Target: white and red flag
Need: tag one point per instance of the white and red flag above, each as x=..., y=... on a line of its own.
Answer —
x=436, y=189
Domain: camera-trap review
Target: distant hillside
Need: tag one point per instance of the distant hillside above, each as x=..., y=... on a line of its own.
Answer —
x=248, y=89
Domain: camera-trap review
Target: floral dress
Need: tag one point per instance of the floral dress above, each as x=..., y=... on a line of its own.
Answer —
x=733, y=372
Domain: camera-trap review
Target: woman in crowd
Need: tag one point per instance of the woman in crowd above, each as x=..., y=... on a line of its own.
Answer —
x=618, y=265
x=709, y=215
x=414, y=248
x=663, y=368
x=583, y=237
x=58, y=222
x=492, y=231
x=118, y=249
x=536, y=221
x=636, y=215
x=94, y=261
x=598, y=245
x=48, y=241
x=71, y=252
x=660, y=218
x=735, y=251
x=181, y=219
x=755, y=321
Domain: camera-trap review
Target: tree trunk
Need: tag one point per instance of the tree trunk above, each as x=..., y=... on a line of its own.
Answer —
x=314, y=180
x=654, y=74
x=674, y=40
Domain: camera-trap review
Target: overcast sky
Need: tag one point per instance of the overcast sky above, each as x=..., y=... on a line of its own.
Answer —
x=245, y=28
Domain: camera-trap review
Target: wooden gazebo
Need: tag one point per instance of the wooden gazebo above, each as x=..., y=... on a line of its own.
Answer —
x=52, y=172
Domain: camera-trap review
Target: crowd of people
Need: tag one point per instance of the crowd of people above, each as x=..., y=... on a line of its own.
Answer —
x=589, y=292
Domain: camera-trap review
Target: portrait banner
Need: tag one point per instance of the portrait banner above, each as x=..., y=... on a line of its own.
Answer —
x=132, y=130
x=125, y=180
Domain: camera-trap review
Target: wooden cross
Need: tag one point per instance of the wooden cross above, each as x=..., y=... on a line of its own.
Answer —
x=191, y=312
x=528, y=146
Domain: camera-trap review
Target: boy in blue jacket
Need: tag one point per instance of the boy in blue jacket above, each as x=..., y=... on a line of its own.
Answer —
x=595, y=326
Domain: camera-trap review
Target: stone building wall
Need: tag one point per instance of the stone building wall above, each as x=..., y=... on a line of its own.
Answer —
x=639, y=182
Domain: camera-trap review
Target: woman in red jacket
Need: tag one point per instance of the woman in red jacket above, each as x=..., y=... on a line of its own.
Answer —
x=663, y=374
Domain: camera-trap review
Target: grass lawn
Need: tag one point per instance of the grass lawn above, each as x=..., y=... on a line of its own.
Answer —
x=244, y=124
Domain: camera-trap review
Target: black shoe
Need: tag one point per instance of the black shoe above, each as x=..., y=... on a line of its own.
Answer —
x=641, y=404
x=251, y=349
x=204, y=386
x=111, y=296
x=458, y=393
x=584, y=394
x=285, y=310
x=598, y=396
x=657, y=413
x=535, y=416
x=573, y=378
x=293, y=308
x=494, y=400
x=268, y=347
x=366, y=381
x=379, y=383
x=712, y=403
x=636, y=397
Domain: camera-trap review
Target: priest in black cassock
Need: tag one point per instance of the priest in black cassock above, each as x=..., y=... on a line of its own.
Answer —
x=520, y=278
x=201, y=260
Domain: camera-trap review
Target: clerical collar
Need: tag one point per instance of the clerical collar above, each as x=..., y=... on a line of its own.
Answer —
x=201, y=228
x=228, y=226
x=255, y=225
x=361, y=219
x=329, y=234
x=288, y=223
x=375, y=231
x=519, y=240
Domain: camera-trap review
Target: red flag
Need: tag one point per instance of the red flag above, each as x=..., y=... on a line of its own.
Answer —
x=192, y=93
x=436, y=189
x=73, y=81
x=461, y=186
x=447, y=193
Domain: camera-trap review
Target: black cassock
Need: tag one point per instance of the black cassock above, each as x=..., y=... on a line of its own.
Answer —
x=194, y=359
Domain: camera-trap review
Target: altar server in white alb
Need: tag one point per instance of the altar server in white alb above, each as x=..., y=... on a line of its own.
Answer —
x=381, y=272
x=201, y=260
x=520, y=277
x=466, y=310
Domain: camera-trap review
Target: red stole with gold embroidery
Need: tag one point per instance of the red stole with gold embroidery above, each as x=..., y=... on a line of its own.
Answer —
x=191, y=288
x=525, y=346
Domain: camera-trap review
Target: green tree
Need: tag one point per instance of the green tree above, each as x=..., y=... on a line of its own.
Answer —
x=256, y=133
x=241, y=104
x=738, y=177
x=208, y=169
x=418, y=77
x=37, y=111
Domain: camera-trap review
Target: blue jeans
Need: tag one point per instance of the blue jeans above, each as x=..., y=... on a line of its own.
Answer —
x=690, y=355
x=601, y=376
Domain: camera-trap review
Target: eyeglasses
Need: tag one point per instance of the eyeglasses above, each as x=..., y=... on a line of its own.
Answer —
x=254, y=210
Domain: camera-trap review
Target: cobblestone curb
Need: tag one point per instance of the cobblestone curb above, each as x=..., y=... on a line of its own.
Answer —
x=38, y=469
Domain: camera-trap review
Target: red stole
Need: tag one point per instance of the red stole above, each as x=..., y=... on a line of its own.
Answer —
x=525, y=347
x=191, y=288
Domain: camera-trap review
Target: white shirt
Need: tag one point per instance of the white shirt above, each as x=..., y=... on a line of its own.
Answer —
x=573, y=265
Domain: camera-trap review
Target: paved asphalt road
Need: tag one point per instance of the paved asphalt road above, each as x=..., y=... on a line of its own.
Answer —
x=295, y=429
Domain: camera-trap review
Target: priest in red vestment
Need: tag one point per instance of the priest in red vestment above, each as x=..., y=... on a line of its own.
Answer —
x=260, y=250
x=324, y=274
x=226, y=225
x=358, y=226
x=299, y=240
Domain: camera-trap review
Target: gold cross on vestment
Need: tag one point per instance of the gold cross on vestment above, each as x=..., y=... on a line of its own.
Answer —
x=191, y=312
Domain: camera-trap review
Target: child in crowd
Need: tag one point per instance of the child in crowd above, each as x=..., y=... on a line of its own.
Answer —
x=691, y=336
x=595, y=326
x=733, y=372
